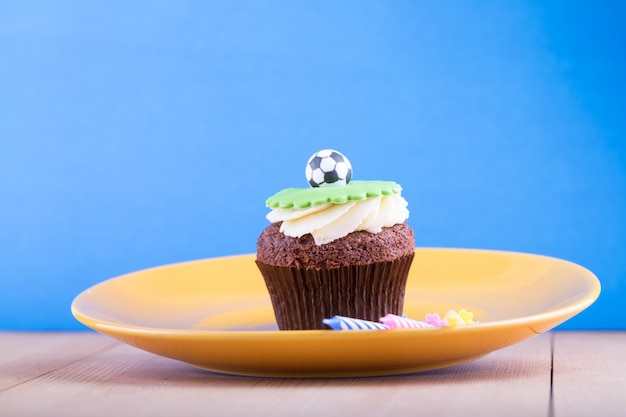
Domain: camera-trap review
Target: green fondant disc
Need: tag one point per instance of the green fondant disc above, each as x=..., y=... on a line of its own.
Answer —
x=298, y=198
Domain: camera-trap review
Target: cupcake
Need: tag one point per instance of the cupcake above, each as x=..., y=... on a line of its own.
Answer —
x=338, y=247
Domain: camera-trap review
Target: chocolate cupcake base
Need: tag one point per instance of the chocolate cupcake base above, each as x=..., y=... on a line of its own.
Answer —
x=302, y=298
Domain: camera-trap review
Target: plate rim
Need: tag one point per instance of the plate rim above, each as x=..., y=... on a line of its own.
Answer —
x=587, y=300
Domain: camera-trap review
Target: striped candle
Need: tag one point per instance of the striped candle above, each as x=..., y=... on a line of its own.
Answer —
x=348, y=323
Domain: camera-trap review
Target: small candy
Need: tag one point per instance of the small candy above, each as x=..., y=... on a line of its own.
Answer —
x=460, y=318
x=348, y=323
x=435, y=320
x=467, y=316
x=328, y=168
x=402, y=322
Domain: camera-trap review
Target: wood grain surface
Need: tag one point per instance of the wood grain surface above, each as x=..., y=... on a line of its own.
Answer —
x=87, y=374
x=589, y=374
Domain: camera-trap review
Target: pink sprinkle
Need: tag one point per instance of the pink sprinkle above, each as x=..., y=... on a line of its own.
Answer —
x=435, y=320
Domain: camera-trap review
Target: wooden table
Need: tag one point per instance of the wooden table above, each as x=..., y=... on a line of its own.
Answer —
x=88, y=374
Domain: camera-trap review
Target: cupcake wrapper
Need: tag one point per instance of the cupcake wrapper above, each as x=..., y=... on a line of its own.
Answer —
x=302, y=298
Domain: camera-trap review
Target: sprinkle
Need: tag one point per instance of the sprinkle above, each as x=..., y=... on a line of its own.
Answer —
x=436, y=321
x=460, y=318
x=348, y=323
x=467, y=316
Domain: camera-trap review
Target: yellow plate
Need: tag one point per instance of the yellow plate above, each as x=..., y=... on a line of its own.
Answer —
x=215, y=314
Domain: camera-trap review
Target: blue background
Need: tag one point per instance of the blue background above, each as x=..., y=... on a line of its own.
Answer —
x=135, y=134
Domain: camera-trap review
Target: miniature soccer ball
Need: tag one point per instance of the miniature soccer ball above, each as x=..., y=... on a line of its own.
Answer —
x=328, y=168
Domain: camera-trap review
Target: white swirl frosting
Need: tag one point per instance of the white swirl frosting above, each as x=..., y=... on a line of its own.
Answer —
x=329, y=222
